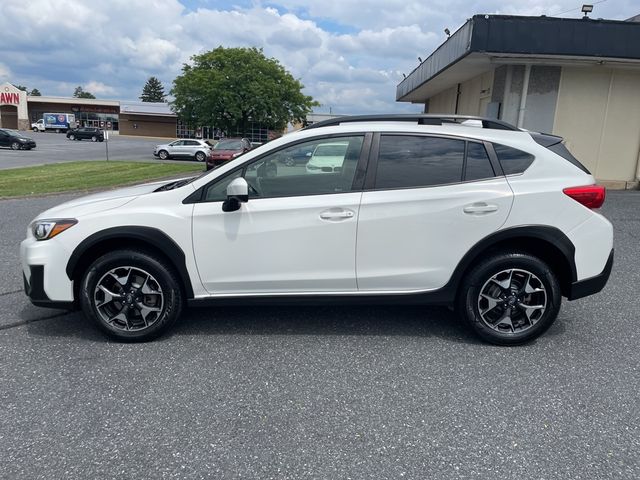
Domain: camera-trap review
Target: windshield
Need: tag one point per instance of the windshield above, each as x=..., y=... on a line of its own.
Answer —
x=228, y=145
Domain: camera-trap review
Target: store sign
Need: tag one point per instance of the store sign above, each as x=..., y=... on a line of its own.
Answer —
x=95, y=109
x=9, y=98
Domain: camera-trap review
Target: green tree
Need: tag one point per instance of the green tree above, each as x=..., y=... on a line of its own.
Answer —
x=227, y=87
x=153, y=91
x=80, y=93
x=35, y=93
x=22, y=87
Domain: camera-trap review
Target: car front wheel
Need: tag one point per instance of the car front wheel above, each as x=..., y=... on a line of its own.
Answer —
x=131, y=295
x=72, y=137
x=510, y=298
x=94, y=138
x=163, y=154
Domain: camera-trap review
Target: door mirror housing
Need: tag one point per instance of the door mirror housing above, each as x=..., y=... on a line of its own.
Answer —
x=237, y=193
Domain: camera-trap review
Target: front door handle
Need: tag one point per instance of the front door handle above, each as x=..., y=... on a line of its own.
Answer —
x=336, y=214
x=480, y=208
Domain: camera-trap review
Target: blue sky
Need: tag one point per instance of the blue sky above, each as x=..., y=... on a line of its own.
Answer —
x=349, y=54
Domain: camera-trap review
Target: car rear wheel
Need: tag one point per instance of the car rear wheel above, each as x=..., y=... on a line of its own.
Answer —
x=94, y=138
x=510, y=298
x=15, y=146
x=72, y=137
x=200, y=156
x=131, y=295
x=163, y=154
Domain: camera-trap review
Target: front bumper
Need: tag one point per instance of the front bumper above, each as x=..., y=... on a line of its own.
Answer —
x=43, y=269
x=591, y=285
x=34, y=288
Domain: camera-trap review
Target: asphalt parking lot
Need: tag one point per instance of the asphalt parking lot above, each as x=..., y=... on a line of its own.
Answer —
x=322, y=392
x=55, y=148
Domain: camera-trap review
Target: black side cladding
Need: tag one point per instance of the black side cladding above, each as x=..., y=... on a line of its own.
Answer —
x=554, y=143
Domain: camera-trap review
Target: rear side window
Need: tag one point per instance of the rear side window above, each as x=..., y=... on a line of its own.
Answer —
x=478, y=163
x=414, y=161
x=512, y=160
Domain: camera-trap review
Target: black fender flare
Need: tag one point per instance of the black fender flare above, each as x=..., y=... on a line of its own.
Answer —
x=153, y=236
x=550, y=235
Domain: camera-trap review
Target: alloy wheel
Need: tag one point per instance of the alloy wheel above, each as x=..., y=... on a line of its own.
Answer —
x=128, y=298
x=512, y=301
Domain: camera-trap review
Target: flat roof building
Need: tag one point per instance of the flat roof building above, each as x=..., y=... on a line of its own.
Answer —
x=577, y=78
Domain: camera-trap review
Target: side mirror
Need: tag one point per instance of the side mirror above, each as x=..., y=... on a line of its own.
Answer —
x=237, y=193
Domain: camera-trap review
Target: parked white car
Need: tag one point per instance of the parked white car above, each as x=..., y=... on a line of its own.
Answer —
x=499, y=223
x=197, y=149
x=327, y=157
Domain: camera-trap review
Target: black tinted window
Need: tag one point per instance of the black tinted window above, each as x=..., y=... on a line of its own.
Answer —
x=478, y=163
x=408, y=161
x=513, y=160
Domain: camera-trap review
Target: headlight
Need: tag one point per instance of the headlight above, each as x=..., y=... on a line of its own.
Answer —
x=46, y=229
x=236, y=154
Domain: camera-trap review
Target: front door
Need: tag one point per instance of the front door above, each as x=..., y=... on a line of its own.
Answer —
x=296, y=234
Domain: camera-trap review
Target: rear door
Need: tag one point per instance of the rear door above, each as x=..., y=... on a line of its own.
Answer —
x=427, y=201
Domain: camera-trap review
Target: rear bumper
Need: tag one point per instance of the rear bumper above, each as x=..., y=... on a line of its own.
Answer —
x=592, y=285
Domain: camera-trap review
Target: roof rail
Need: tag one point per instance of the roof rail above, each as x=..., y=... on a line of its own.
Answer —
x=420, y=119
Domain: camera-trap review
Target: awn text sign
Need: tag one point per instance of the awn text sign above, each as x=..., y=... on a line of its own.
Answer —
x=9, y=98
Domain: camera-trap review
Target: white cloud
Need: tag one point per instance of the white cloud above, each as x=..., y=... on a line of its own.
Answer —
x=349, y=54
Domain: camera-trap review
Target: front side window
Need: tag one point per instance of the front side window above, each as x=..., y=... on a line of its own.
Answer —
x=330, y=168
x=177, y=143
x=408, y=161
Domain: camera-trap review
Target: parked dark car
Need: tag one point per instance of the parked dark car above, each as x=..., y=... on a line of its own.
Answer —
x=86, y=133
x=227, y=149
x=15, y=140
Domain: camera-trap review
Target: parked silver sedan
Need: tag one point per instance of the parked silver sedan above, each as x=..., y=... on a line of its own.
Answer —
x=185, y=148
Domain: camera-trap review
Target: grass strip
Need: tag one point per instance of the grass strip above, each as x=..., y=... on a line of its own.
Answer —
x=83, y=176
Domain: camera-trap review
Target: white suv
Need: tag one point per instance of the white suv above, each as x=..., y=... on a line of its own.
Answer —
x=476, y=214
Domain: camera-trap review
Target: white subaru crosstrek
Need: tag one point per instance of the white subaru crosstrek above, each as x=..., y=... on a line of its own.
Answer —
x=472, y=213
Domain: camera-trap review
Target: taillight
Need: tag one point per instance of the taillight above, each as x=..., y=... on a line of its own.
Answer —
x=591, y=196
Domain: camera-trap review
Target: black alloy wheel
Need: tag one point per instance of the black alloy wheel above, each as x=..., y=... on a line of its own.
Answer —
x=131, y=295
x=510, y=298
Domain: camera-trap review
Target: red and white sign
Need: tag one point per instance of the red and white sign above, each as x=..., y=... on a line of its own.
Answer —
x=9, y=98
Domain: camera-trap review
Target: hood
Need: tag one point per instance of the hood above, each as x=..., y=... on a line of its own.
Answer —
x=101, y=201
x=225, y=152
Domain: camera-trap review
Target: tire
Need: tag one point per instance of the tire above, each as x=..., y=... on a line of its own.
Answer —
x=35, y=130
x=137, y=281
x=510, y=298
x=57, y=130
x=15, y=146
x=72, y=137
x=94, y=138
x=200, y=156
x=163, y=154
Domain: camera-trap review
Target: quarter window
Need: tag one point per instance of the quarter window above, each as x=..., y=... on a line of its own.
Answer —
x=417, y=161
x=512, y=160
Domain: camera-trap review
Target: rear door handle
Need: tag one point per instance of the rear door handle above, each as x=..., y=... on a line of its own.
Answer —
x=336, y=214
x=480, y=208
